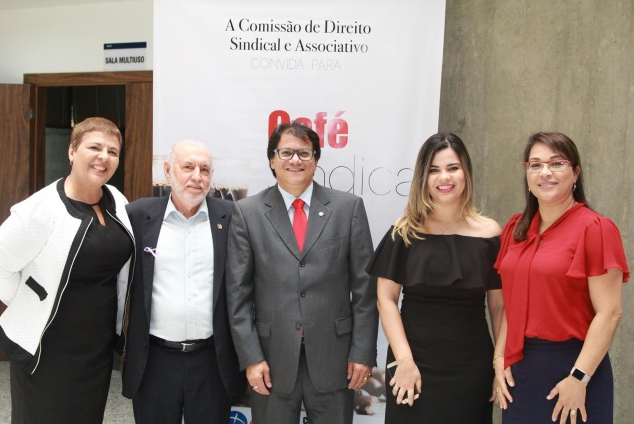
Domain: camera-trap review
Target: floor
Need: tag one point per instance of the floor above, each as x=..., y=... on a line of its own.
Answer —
x=118, y=408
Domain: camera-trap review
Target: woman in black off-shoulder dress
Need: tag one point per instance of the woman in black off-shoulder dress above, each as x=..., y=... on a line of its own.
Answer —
x=440, y=255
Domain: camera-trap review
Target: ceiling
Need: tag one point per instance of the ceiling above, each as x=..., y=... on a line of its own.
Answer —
x=28, y=4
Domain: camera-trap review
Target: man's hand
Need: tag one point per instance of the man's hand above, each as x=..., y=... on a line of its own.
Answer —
x=259, y=377
x=358, y=374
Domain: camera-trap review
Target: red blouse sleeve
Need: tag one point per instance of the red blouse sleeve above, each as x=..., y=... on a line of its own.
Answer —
x=506, y=238
x=600, y=248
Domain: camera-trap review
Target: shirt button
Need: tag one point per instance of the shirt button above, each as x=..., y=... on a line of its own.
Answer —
x=302, y=264
x=302, y=294
x=298, y=325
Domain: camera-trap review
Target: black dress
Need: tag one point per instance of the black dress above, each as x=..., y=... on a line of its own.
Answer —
x=444, y=279
x=72, y=379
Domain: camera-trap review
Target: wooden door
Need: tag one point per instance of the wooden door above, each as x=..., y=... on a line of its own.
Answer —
x=138, y=128
x=138, y=134
x=14, y=145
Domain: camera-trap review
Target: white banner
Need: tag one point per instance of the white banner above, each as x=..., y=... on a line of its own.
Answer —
x=365, y=75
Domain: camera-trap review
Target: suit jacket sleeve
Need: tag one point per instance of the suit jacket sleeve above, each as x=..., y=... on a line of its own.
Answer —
x=240, y=291
x=363, y=290
x=23, y=235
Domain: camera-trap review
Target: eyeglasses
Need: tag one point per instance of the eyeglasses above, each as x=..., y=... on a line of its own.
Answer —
x=555, y=165
x=287, y=154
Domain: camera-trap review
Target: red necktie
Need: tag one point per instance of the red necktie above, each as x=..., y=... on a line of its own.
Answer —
x=300, y=222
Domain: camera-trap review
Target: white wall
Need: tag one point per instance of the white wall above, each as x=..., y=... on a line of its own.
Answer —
x=69, y=38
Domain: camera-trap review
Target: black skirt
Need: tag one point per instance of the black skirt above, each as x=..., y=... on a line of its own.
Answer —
x=72, y=379
x=544, y=365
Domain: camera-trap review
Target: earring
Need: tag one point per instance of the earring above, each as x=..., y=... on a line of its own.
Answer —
x=71, y=163
x=529, y=189
x=574, y=186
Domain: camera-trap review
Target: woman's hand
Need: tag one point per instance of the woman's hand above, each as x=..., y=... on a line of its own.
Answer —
x=572, y=398
x=406, y=378
x=503, y=379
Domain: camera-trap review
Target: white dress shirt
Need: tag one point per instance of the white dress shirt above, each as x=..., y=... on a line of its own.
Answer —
x=289, y=199
x=182, y=291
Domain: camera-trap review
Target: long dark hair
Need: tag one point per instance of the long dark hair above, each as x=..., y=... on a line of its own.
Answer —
x=567, y=149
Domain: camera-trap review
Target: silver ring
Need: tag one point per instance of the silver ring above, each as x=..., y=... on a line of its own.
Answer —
x=365, y=378
x=404, y=402
x=573, y=412
x=254, y=387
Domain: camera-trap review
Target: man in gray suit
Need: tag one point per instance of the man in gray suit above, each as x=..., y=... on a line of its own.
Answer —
x=302, y=309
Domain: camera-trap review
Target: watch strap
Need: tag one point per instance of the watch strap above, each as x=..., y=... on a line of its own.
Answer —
x=580, y=375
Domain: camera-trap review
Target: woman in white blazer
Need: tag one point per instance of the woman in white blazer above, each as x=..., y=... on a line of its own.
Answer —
x=65, y=258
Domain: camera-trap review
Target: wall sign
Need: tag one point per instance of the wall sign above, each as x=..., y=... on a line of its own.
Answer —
x=125, y=56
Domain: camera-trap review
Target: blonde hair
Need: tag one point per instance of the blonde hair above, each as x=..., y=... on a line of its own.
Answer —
x=420, y=205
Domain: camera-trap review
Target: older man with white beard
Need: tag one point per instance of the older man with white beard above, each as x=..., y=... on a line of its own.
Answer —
x=179, y=359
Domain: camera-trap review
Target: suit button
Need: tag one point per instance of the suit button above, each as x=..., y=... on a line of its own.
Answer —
x=298, y=326
x=302, y=263
x=302, y=294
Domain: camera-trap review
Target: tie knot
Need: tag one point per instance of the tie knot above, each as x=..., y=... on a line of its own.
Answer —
x=298, y=204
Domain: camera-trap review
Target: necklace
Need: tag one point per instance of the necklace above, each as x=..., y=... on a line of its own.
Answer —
x=444, y=229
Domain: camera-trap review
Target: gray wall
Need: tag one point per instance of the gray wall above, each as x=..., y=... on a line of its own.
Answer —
x=514, y=67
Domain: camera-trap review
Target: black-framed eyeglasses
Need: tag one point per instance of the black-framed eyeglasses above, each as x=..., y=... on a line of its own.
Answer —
x=286, y=153
x=555, y=165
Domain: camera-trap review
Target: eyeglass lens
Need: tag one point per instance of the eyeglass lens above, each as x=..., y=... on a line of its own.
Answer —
x=555, y=165
x=287, y=153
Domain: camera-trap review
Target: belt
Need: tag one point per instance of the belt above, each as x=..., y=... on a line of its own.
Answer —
x=186, y=346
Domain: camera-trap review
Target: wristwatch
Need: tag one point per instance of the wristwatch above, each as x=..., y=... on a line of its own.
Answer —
x=580, y=375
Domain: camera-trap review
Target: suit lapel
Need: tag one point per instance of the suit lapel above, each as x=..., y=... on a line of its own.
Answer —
x=219, y=223
x=278, y=217
x=320, y=212
x=150, y=234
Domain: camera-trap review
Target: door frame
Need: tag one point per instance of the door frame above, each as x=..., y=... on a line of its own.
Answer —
x=138, y=127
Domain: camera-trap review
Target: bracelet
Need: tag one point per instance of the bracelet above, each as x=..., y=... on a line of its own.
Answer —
x=500, y=355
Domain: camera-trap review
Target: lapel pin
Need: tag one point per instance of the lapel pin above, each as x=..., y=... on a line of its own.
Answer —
x=321, y=214
x=150, y=251
x=219, y=226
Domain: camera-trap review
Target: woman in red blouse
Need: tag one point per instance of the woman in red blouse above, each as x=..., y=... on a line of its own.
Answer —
x=562, y=267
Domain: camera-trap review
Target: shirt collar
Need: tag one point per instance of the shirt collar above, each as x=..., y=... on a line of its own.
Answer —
x=289, y=198
x=172, y=209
